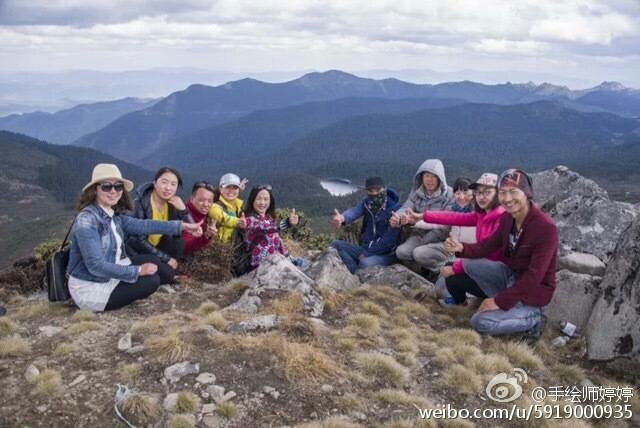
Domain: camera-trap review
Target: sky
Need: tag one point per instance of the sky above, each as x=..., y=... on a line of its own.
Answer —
x=592, y=40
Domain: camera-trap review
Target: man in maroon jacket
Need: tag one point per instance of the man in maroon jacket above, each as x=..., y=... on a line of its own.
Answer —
x=514, y=292
x=202, y=196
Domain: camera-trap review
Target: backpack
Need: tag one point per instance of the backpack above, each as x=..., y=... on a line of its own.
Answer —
x=55, y=279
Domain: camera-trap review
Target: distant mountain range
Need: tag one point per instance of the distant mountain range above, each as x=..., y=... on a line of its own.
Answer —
x=65, y=126
x=140, y=134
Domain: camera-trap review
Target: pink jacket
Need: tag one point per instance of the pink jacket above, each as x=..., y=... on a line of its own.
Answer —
x=486, y=224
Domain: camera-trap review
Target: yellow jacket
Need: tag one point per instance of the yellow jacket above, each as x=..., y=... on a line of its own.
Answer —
x=226, y=219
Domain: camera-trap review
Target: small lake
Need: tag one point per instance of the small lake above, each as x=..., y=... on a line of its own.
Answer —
x=338, y=186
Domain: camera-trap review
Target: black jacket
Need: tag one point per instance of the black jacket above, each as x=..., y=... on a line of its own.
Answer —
x=142, y=209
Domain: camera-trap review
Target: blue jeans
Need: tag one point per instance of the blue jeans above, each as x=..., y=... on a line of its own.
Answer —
x=350, y=255
x=494, y=277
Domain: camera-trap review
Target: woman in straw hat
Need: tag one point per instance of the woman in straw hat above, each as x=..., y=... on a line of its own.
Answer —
x=101, y=275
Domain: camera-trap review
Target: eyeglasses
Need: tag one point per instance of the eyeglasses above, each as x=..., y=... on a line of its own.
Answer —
x=203, y=185
x=264, y=187
x=485, y=193
x=108, y=187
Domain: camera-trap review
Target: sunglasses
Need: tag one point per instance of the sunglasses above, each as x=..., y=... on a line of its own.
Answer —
x=264, y=187
x=108, y=187
x=203, y=185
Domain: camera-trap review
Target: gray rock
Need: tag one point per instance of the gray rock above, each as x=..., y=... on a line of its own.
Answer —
x=559, y=341
x=229, y=396
x=206, y=378
x=359, y=416
x=330, y=272
x=268, y=389
x=612, y=330
x=212, y=421
x=261, y=323
x=177, y=371
x=78, y=381
x=574, y=298
x=277, y=274
x=170, y=401
x=327, y=389
x=582, y=263
x=587, y=220
x=31, y=373
x=125, y=342
x=248, y=303
x=135, y=349
x=398, y=276
x=216, y=392
x=209, y=408
x=50, y=330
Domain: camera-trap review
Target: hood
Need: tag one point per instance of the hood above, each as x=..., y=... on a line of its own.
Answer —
x=435, y=167
x=392, y=197
x=144, y=189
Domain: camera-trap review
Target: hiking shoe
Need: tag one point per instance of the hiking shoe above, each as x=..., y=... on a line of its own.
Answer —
x=533, y=335
x=450, y=301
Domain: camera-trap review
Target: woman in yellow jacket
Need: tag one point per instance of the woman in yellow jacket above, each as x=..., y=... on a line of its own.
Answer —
x=225, y=212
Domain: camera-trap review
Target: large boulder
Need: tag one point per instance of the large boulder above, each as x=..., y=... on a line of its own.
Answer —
x=574, y=298
x=582, y=263
x=613, y=329
x=277, y=274
x=329, y=272
x=588, y=221
x=398, y=276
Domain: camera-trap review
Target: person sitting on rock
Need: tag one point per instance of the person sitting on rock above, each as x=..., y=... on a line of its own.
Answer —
x=225, y=211
x=158, y=201
x=430, y=192
x=485, y=218
x=262, y=231
x=514, y=291
x=102, y=276
x=379, y=240
x=198, y=206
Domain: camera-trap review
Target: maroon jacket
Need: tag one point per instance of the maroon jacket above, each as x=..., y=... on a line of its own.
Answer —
x=534, y=259
x=191, y=243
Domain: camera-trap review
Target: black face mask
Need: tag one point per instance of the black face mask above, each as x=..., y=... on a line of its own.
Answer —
x=376, y=203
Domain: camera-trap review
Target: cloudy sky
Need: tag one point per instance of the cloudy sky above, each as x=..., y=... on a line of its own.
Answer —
x=593, y=40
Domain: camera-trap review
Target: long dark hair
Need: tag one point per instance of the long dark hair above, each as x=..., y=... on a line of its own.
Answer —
x=248, y=210
x=89, y=196
x=166, y=169
x=494, y=202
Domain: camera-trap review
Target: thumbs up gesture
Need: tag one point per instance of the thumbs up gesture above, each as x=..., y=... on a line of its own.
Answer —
x=395, y=220
x=293, y=218
x=452, y=244
x=337, y=219
x=412, y=217
x=211, y=229
x=242, y=221
x=194, y=229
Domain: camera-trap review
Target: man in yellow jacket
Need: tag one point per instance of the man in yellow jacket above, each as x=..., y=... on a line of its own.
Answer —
x=225, y=212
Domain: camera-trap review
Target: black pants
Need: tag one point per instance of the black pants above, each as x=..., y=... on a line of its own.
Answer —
x=127, y=292
x=460, y=285
x=172, y=245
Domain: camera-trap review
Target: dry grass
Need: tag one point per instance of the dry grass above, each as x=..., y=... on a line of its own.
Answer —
x=304, y=362
x=227, y=410
x=217, y=320
x=65, y=348
x=141, y=410
x=346, y=344
x=383, y=368
x=365, y=324
x=407, y=359
x=332, y=422
x=169, y=348
x=489, y=364
x=38, y=309
x=349, y=402
x=456, y=423
x=130, y=372
x=457, y=336
x=14, y=346
x=84, y=315
x=410, y=423
x=82, y=327
x=413, y=310
x=297, y=326
x=7, y=326
x=520, y=355
x=291, y=304
x=398, y=397
x=48, y=383
x=152, y=324
x=401, y=320
x=182, y=421
x=187, y=402
x=568, y=374
x=374, y=309
x=332, y=300
x=462, y=380
x=206, y=308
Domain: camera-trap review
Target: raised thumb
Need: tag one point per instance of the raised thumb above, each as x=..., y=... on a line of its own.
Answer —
x=335, y=210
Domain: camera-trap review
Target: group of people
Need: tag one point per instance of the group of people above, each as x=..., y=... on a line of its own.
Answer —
x=486, y=238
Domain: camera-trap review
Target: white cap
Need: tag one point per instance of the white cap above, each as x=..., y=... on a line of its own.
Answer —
x=229, y=180
x=487, y=179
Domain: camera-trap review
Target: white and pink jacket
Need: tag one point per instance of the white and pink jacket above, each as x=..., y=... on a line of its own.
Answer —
x=486, y=224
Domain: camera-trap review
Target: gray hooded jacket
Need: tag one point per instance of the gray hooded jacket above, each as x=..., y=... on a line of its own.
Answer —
x=440, y=200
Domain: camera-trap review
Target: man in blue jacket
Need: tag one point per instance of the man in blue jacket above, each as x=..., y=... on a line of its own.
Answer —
x=379, y=240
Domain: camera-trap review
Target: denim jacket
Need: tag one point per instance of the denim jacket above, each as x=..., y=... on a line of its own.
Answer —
x=93, y=246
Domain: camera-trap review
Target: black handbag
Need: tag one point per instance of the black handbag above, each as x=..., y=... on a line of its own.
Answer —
x=56, y=279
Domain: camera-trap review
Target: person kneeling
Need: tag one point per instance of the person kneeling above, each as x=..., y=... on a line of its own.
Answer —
x=379, y=240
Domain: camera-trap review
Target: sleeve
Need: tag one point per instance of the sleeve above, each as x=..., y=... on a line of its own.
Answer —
x=352, y=214
x=409, y=203
x=88, y=239
x=458, y=267
x=221, y=218
x=545, y=248
x=139, y=229
x=451, y=218
x=488, y=245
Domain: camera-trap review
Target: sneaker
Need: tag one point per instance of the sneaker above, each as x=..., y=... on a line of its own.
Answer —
x=533, y=335
x=450, y=301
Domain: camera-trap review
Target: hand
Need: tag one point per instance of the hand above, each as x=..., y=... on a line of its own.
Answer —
x=293, y=218
x=194, y=229
x=412, y=217
x=488, y=304
x=173, y=263
x=211, y=229
x=176, y=201
x=446, y=271
x=337, y=219
x=361, y=257
x=243, y=184
x=394, y=220
x=242, y=221
x=147, y=269
x=452, y=244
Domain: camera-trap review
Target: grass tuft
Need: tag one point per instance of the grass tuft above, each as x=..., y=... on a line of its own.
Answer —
x=169, y=348
x=383, y=368
x=82, y=327
x=374, y=309
x=206, y=308
x=182, y=421
x=569, y=374
x=131, y=372
x=332, y=422
x=187, y=402
x=520, y=355
x=65, y=348
x=462, y=380
x=291, y=304
x=217, y=320
x=141, y=410
x=227, y=410
x=48, y=383
x=14, y=346
x=365, y=324
x=37, y=309
x=84, y=315
x=7, y=326
x=398, y=397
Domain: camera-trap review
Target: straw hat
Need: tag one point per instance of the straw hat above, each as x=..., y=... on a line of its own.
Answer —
x=107, y=171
